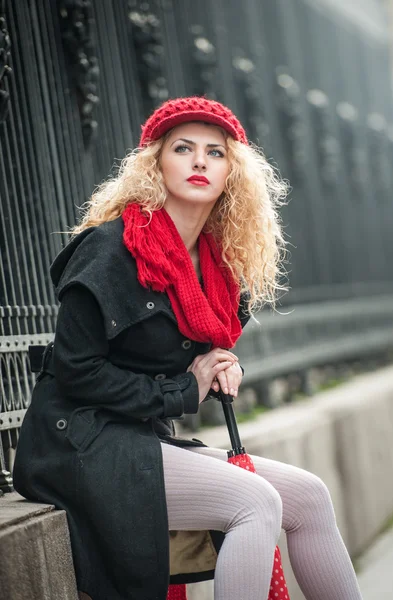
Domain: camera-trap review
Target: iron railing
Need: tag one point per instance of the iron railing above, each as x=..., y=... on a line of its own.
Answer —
x=310, y=81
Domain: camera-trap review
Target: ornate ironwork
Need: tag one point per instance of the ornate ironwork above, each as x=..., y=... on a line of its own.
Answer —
x=292, y=122
x=77, y=26
x=44, y=172
x=16, y=384
x=249, y=86
x=21, y=319
x=354, y=154
x=379, y=155
x=203, y=63
x=390, y=147
x=5, y=69
x=147, y=38
x=327, y=144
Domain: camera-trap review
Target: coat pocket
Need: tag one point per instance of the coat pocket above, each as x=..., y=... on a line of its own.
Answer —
x=84, y=426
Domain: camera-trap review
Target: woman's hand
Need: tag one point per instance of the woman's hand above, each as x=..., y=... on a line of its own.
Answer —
x=206, y=367
x=229, y=380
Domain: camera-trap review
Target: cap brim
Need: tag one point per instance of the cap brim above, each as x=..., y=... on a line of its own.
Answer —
x=186, y=117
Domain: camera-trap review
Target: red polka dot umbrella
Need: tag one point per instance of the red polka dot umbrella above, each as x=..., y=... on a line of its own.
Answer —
x=238, y=457
x=177, y=592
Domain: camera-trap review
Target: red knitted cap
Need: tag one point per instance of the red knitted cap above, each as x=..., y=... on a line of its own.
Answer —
x=196, y=108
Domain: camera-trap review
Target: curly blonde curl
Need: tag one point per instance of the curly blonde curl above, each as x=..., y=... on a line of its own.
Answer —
x=245, y=219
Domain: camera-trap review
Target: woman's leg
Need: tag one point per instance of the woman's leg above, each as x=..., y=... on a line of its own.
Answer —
x=317, y=552
x=204, y=493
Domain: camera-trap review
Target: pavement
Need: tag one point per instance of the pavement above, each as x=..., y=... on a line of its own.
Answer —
x=375, y=569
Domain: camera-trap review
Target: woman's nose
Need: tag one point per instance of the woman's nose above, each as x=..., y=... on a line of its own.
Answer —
x=199, y=161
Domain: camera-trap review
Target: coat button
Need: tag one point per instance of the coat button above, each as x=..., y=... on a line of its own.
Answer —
x=114, y=323
x=186, y=345
x=160, y=377
x=61, y=424
x=150, y=305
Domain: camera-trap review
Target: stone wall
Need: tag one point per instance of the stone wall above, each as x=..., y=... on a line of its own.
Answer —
x=35, y=552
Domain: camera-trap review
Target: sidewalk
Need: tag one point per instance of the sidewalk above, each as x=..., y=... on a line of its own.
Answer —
x=375, y=569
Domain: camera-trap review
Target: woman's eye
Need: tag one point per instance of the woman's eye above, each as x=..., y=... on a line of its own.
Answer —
x=217, y=153
x=181, y=149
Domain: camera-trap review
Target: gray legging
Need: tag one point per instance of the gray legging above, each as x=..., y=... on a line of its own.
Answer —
x=203, y=491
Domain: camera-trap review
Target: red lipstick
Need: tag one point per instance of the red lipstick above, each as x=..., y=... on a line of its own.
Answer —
x=198, y=180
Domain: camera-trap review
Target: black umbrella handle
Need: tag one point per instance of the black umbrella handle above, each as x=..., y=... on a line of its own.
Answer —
x=230, y=419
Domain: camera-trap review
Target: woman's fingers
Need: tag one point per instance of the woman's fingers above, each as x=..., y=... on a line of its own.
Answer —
x=218, y=354
x=230, y=379
x=211, y=371
x=228, y=353
x=220, y=379
x=221, y=366
x=216, y=386
x=223, y=382
x=209, y=360
x=228, y=383
x=222, y=352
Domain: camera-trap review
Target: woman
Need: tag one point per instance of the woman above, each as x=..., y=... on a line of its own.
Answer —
x=165, y=268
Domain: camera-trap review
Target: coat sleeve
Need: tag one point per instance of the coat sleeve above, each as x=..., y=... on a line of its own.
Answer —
x=85, y=375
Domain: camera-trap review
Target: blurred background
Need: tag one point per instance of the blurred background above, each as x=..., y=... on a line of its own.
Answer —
x=311, y=80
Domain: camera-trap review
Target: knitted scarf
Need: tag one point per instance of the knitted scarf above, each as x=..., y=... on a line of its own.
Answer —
x=164, y=265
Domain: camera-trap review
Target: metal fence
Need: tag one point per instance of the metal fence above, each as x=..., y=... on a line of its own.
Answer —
x=310, y=82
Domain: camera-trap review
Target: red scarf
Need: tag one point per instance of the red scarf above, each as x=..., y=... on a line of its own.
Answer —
x=165, y=265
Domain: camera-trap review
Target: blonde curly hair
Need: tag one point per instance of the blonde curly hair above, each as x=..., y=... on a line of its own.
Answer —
x=244, y=220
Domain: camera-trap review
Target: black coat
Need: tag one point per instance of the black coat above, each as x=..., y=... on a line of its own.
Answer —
x=108, y=389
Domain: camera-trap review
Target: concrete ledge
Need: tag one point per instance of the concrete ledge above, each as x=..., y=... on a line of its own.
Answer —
x=15, y=509
x=35, y=552
x=362, y=417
